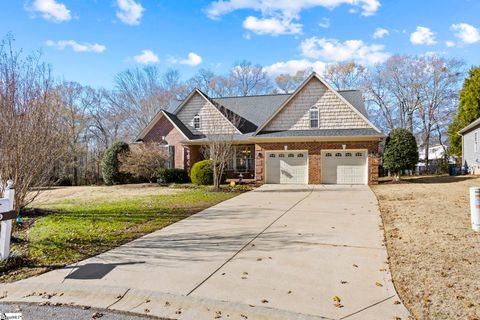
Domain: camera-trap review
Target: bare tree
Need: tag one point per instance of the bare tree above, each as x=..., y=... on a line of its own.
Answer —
x=345, y=75
x=32, y=136
x=439, y=89
x=287, y=83
x=144, y=159
x=249, y=79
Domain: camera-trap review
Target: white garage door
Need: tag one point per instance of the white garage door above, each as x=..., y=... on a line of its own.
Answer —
x=344, y=167
x=287, y=167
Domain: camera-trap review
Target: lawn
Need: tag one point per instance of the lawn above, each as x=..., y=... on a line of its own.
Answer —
x=65, y=225
x=434, y=254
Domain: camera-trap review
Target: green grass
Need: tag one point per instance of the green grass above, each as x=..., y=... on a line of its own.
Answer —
x=67, y=231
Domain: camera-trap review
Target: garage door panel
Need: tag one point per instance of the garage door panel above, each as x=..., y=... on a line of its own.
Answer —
x=287, y=168
x=344, y=167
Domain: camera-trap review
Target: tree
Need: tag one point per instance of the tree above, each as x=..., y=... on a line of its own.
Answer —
x=143, y=160
x=111, y=164
x=249, y=79
x=32, y=135
x=346, y=75
x=289, y=83
x=468, y=109
x=401, y=152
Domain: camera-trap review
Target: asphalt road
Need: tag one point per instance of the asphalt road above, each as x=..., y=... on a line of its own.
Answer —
x=37, y=312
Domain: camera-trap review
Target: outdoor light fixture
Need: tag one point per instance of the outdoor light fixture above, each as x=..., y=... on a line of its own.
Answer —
x=344, y=146
x=285, y=147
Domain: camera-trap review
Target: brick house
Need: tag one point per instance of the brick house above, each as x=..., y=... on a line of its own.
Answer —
x=314, y=135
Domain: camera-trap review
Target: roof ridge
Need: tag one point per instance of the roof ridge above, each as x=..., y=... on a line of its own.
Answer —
x=256, y=95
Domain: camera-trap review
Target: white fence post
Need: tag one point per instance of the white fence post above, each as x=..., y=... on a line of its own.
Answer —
x=6, y=226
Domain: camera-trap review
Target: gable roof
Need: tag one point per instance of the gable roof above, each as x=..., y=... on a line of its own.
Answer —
x=299, y=89
x=471, y=126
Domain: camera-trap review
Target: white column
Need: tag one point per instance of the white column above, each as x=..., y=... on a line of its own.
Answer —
x=6, y=226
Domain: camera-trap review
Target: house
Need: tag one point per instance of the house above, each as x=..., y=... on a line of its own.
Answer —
x=471, y=148
x=314, y=135
x=436, y=157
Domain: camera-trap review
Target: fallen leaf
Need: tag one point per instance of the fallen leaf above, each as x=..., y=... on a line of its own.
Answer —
x=343, y=282
x=167, y=303
x=264, y=301
x=396, y=302
x=356, y=266
x=378, y=284
x=243, y=316
x=289, y=292
x=97, y=315
x=337, y=299
x=146, y=311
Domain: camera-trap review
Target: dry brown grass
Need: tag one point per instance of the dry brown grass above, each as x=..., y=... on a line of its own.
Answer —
x=434, y=254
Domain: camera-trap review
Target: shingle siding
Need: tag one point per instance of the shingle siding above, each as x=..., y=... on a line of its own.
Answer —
x=212, y=121
x=334, y=113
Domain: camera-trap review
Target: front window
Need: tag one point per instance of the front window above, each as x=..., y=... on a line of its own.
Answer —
x=196, y=121
x=244, y=158
x=313, y=117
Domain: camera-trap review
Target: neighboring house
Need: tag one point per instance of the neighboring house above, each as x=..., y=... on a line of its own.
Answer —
x=315, y=135
x=436, y=156
x=471, y=147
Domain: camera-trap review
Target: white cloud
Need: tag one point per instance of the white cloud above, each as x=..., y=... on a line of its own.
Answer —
x=423, y=35
x=333, y=50
x=450, y=44
x=271, y=26
x=281, y=16
x=466, y=32
x=324, y=23
x=76, y=47
x=129, y=11
x=51, y=10
x=292, y=66
x=192, y=60
x=380, y=33
x=146, y=57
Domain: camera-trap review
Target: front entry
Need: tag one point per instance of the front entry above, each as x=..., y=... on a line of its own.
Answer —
x=344, y=167
x=287, y=167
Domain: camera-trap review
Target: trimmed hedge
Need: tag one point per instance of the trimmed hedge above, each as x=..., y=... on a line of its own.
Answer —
x=111, y=165
x=202, y=173
x=172, y=176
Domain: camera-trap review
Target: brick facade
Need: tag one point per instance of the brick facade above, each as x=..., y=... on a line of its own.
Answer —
x=314, y=157
x=164, y=128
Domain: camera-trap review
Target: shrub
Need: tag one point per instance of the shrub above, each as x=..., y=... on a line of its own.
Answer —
x=111, y=165
x=202, y=173
x=401, y=152
x=142, y=161
x=172, y=176
x=64, y=181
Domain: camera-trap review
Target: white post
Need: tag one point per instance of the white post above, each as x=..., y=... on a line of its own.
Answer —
x=6, y=226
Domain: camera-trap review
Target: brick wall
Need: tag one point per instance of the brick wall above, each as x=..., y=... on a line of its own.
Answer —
x=164, y=128
x=314, y=157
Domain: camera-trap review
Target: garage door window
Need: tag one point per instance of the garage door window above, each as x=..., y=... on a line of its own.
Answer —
x=338, y=154
x=359, y=154
x=281, y=155
x=300, y=155
x=328, y=154
x=291, y=155
x=272, y=155
x=348, y=154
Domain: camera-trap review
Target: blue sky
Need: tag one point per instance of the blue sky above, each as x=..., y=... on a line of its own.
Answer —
x=89, y=41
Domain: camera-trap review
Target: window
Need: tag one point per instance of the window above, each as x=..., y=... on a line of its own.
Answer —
x=348, y=154
x=272, y=155
x=300, y=155
x=328, y=154
x=291, y=155
x=281, y=155
x=475, y=143
x=196, y=121
x=338, y=154
x=313, y=117
x=358, y=154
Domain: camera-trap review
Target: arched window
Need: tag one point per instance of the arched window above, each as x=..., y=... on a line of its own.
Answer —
x=313, y=117
x=196, y=121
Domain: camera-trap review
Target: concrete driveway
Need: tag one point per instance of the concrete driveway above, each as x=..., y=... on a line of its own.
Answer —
x=279, y=252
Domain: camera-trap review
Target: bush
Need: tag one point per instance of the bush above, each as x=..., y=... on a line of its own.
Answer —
x=111, y=165
x=172, y=176
x=64, y=181
x=401, y=152
x=202, y=173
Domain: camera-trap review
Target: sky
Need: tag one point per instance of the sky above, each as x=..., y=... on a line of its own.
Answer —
x=89, y=41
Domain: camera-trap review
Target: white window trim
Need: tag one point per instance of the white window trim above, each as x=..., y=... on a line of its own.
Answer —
x=313, y=109
x=199, y=122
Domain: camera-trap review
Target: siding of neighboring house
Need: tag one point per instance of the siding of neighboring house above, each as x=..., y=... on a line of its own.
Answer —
x=471, y=153
x=212, y=120
x=334, y=113
x=164, y=128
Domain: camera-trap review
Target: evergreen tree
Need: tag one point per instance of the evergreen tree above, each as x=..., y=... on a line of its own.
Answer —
x=401, y=152
x=468, y=109
x=111, y=165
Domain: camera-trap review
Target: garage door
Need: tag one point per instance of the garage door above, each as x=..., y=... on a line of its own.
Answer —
x=344, y=167
x=287, y=167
